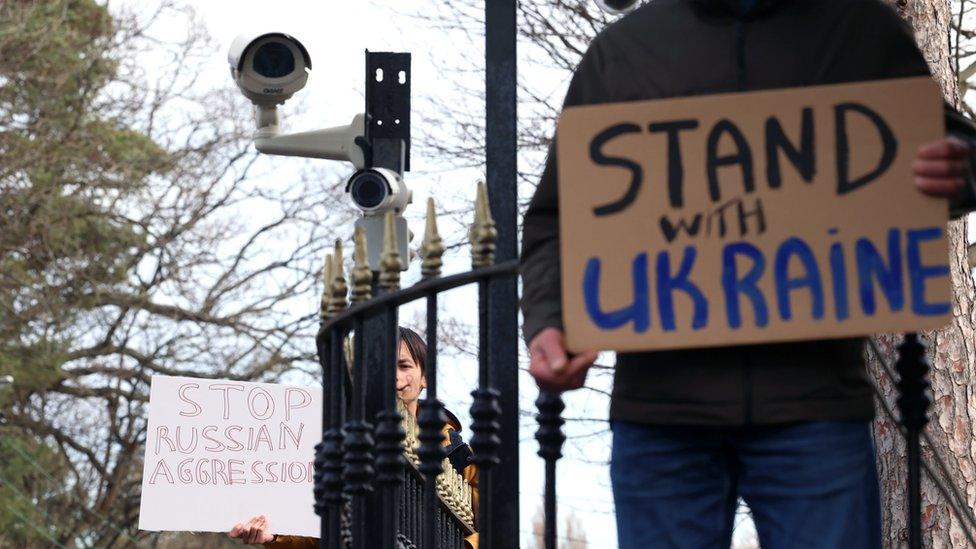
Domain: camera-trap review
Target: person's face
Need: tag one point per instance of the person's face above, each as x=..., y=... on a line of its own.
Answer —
x=410, y=380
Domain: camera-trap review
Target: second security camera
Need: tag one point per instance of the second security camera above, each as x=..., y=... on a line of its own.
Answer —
x=616, y=7
x=269, y=68
x=376, y=191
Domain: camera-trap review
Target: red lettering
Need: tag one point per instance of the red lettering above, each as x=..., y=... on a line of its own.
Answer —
x=289, y=405
x=203, y=476
x=257, y=472
x=162, y=433
x=237, y=445
x=263, y=436
x=226, y=388
x=252, y=406
x=161, y=469
x=291, y=471
x=220, y=445
x=219, y=470
x=196, y=407
x=231, y=471
x=296, y=439
x=184, y=470
x=193, y=441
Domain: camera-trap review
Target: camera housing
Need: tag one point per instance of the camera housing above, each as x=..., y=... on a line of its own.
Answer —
x=376, y=191
x=617, y=7
x=269, y=67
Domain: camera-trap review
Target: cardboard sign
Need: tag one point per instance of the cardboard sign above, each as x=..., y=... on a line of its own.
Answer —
x=755, y=217
x=219, y=452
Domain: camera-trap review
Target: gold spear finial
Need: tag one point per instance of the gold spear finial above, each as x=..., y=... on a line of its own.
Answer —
x=390, y=261
x=432, y=248
x=362, y=278
x=327, y=289
x=483, y=232
x=337, y=300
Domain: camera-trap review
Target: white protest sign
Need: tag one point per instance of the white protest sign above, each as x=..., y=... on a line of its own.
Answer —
x=219, y=452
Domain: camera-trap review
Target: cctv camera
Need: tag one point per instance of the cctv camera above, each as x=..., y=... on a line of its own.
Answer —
x=616, y=7
x=269, y=68
x=378, y=190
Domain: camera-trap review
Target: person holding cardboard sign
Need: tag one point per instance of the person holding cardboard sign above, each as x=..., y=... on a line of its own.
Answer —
x=786, y=425
x=411, y=380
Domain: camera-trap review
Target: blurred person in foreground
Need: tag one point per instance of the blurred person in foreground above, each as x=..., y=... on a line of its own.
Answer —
x=787, y=426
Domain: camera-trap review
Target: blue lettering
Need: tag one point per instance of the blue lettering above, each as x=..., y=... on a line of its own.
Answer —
x=838, y=271
x=733, y=285
x=870, y=265
x=637, y=312
x=917, y=273
x=666, y=285
x=794, y=247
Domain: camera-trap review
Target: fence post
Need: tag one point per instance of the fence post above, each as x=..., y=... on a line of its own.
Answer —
x=501, y=159
x=913, y=403
x=551, y=438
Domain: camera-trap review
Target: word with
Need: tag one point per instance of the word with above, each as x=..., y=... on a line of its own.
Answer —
x=715, y=221
x=737, y=283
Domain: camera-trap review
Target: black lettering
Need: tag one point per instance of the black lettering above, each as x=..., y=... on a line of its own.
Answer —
x=637, y=173
x=676, y=171
x=671, y=231
x=802, y=158
x=742, y=157
x=889, y=147
x=744, y=216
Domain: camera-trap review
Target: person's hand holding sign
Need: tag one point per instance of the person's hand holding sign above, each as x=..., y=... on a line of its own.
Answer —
x=252, y=532
x=942, y=167
x=549, y=364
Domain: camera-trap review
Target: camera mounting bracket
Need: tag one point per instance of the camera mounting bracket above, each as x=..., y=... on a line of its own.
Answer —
x=388, y=110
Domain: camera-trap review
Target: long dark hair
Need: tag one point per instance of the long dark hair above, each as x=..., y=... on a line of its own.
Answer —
x=416, y=346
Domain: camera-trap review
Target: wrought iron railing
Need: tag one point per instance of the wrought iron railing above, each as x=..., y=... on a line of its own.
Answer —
x=364, y=471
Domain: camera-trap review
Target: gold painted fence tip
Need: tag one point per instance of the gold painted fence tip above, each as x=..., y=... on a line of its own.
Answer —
x=390, y=261
x=362, y=277
x=483, y=232
x=432, y=248
x=338, y=289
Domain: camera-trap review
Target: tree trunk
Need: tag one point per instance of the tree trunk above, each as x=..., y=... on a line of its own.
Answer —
x=952, y=352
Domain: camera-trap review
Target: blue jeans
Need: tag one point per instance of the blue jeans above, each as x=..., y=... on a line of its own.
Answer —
x=809, y=485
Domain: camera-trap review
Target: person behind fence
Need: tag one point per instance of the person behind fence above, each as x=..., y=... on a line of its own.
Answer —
x=786, y=427
x=411, y=380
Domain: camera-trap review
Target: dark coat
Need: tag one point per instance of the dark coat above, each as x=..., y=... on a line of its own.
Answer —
x=679, y=48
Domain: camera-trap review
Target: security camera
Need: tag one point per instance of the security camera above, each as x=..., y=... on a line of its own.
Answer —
x=616, y=7
x=378, y=190
x=269, y=68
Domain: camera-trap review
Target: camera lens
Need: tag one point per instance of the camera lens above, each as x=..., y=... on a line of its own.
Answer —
x=368, y=191
x=273, y=60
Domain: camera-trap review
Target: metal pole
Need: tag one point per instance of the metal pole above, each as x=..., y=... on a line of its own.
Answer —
x=501, y=159
x=913, y=403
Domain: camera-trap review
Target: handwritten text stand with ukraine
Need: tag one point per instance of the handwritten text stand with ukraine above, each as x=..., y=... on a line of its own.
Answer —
x=754, y=217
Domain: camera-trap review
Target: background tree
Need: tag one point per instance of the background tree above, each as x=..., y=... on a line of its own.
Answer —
x=952, y=349
x=136, y=240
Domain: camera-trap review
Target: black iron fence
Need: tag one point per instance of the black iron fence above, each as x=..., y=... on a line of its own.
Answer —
x=368, y=490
